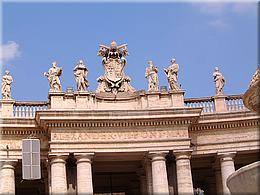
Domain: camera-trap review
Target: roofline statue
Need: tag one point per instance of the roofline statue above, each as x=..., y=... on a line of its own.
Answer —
x=151, y=74
x=114, y=60
x=7, y=81
x=172, y=75
x=219, y=81
x=80, y=73
x=53, y=76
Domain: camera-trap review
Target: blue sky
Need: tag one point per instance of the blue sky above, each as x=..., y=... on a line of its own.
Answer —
x=200, y=35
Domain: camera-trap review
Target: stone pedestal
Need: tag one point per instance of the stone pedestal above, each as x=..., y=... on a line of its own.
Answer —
x=220, y=103
x=227, y=168
x=58, y=175
x=183, y=170
x=84, y=174
x=153, y=99
x=7, y=178
x=7, y=108
x=56, y=99
x=177, y=99
x=159, y=173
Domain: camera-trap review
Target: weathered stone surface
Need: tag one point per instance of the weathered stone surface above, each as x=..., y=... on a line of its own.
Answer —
x=245, y=180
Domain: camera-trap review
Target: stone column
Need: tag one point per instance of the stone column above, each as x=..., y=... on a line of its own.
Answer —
x=7, y=178
x=143, y=182
x=183, y=170
x=159, y=173
x=84, y=174
x=148, y=173
x=227, y=168
x=58, y=175
x=218, y=177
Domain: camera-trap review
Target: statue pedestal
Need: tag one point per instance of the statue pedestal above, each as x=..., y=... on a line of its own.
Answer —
x=177, y=98
x=220, y=103
x=7, y=108
x=56, y=99
x=153, y=99
x=84, y=99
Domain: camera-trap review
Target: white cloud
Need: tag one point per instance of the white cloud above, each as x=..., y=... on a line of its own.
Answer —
x=218, y=23
x=218, y=11
x=213, y=8
x=222, y=7
x=244, y=8
x=9, y=51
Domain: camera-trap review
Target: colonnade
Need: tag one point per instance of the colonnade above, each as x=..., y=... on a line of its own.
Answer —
x=154, y=179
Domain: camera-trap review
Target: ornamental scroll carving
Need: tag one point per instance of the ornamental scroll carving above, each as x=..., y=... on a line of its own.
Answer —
x=114, y=60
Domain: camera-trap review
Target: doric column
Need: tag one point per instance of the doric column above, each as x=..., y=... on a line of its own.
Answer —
x=227, y=168
x=143, y=182
x=7, y=178
x=183, y=170
x=218, y=177
x=84, y=174
x=58, y=175
x=148, y=173
x=159, y=173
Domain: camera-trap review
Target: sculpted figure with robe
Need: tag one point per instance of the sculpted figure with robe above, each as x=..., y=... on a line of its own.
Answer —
x=151, y=74
x=219, y=81
x=7, y=80
x=172, y=75
x=80, y=73
x=53, y=76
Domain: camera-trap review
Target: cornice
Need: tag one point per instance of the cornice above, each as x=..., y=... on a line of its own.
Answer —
x=225, y=125
x=117, y=118
x=115, y=124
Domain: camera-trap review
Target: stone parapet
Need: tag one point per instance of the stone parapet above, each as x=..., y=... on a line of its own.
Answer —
x=108, y=101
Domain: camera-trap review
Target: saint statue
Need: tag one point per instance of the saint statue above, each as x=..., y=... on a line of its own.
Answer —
x=172, y=75
x=80, y=73
x=151, y=74
x=53, y=76
x=113, y=59
x=7, y=80
x=219, y=81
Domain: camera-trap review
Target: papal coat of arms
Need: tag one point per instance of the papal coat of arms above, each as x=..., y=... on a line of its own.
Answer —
x=113, y=59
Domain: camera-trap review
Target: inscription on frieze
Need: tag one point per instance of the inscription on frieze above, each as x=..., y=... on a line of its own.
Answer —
x=118, y=136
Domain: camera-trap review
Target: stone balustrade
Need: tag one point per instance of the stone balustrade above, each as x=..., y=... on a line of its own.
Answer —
x=28, y=109
x=141, y=100
x=235, y=103
x=207, y=103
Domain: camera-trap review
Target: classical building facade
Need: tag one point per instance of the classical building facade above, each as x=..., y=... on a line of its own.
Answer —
x=122, y=141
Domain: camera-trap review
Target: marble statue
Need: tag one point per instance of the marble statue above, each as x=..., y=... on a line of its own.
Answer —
x=219, y=81
x=53, y=76
x=7, y=80
x=172, y=75
x=151, y=74
x=80, y=73
x=114, y=60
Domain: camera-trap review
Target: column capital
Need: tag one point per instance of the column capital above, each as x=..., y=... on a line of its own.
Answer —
x=226, y=156
x=58, y=158
x=8, y=164
x=157, y=155
x=182, y=154
x=84, y=157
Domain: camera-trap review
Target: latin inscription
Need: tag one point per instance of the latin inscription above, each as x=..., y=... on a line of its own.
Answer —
x=124, y=136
